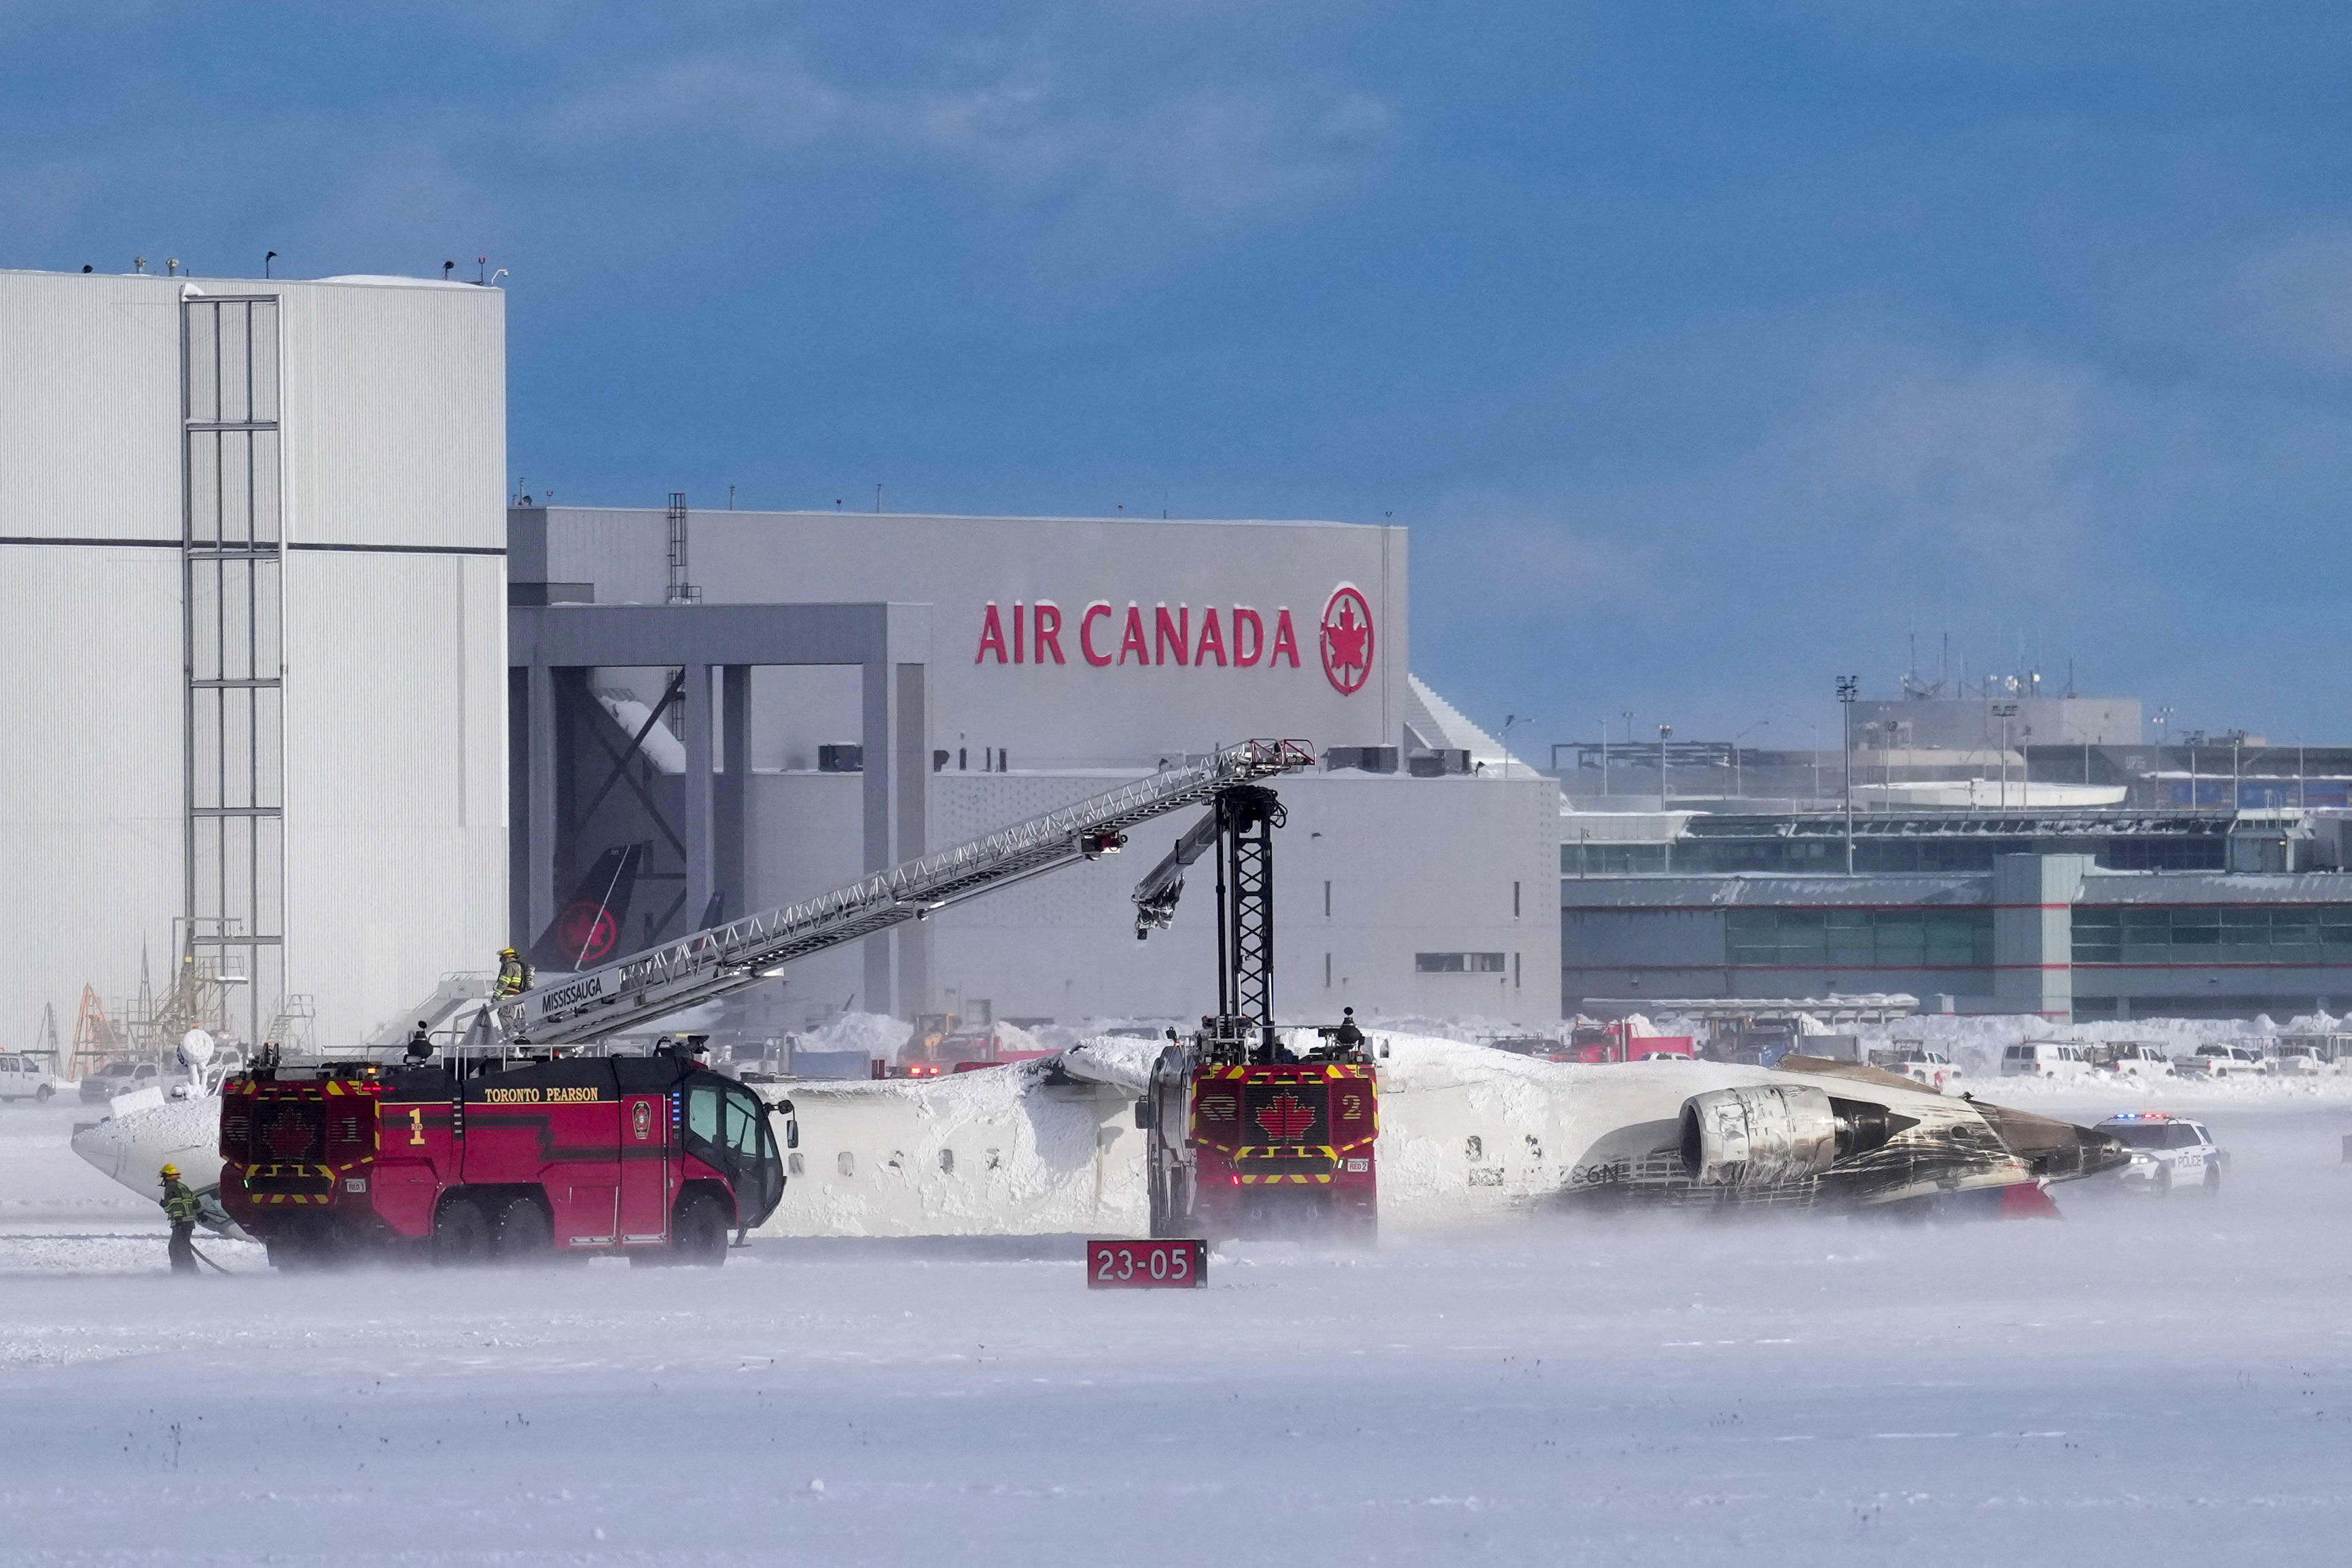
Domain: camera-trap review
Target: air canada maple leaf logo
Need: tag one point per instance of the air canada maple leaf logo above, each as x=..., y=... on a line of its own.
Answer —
x=1347, y=639
x=588, y=933
x=1286, y=1116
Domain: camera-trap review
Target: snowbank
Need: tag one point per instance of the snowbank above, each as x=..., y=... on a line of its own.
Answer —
x=877, y=1035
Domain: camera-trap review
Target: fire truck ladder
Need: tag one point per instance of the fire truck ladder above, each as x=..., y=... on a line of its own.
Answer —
x=1240, y=827
x=724, y=959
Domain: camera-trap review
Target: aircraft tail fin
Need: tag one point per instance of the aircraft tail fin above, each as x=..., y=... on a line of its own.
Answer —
x=587, y=931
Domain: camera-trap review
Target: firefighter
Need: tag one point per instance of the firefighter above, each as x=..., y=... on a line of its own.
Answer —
x=181, y=1207
x=515, y=976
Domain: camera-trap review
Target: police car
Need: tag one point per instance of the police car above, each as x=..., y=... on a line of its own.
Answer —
x=2169, y=1152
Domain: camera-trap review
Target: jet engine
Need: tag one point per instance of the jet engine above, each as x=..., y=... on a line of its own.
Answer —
x=1749, y=1137
x=1763, y=1134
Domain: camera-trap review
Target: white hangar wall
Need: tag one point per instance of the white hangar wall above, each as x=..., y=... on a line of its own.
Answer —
x=1064, y=713
x=370, y=695
x=1413, y=866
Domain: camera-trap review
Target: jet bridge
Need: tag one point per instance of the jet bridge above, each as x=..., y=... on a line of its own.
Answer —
x=713, y=963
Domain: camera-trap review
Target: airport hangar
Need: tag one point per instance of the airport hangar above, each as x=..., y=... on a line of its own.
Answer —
x=887, y=685
x=255, y=605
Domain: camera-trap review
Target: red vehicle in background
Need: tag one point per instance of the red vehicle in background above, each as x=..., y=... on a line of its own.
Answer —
x=1612, y=1043
x=652, y=1157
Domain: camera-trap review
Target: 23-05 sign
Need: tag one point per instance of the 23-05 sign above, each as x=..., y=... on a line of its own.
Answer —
x=1147, y=1264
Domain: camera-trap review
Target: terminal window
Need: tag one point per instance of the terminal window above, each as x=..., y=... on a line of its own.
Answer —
x=1458, y=962
x=1859, y=939
x=2306, y=933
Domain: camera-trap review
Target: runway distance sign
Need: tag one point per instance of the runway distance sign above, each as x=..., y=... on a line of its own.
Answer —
x=1171, y=1265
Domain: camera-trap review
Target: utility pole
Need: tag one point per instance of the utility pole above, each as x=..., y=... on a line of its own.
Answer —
x=1739, y=786
x=1664, y=731
x=1849, y=687
x=1604, y=759
x=2004, y=712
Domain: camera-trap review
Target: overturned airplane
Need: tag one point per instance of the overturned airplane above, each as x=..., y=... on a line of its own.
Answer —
x=1467, y=1134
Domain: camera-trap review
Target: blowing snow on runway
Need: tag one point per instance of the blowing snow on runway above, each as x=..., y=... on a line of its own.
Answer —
x=2135, y=1380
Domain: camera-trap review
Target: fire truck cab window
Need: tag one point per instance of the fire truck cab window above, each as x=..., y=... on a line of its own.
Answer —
x=702, y=1113
x=743, y=1120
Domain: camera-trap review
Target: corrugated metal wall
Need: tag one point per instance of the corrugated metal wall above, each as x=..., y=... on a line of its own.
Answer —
x=395, y=443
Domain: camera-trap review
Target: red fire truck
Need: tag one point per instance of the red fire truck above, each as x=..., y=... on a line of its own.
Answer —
x=1275, y=1142
x=655, y=1157
x=1245, y=1137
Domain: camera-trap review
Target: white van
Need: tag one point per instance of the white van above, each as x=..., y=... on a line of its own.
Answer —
x=2045, y=1059
x=23, y=1077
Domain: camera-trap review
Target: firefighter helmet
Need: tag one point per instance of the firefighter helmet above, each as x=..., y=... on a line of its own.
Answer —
x=170, y=1173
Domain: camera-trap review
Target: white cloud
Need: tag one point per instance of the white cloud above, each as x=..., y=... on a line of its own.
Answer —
x=1016, y=128
x=2292, y=299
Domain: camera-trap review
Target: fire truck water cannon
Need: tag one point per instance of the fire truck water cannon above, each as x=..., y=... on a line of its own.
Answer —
x=1241, y=1136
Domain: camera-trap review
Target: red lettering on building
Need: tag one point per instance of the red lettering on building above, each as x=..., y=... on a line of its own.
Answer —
x=1048, y=616
x=1211, y=639
x=1234, y=637
x=1086, y=632
x=1249, y=636
x=991, y=636
x=1286, y=640
x=1165, y=632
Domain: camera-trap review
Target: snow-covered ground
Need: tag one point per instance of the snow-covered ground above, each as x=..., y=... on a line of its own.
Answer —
x=2141, y=1381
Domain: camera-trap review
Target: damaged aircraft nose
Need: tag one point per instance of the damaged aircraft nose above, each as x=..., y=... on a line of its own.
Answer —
x=2053, y=1150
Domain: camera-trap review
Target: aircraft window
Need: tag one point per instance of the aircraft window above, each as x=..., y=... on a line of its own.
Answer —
x=1474, y=1147
x=947, y=1162
x=845, y=1163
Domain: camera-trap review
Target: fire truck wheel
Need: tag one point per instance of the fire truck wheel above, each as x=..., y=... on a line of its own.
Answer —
x=524, y=1235
x=461, y=1235
x=700, y=1236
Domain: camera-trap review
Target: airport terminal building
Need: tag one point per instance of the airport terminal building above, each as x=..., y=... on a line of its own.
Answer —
x=2097, y=877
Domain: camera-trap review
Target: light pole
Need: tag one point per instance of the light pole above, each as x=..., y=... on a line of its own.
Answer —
x=2004, y=712
x=1504, y=740
x=1664, y=731
x=1738, y=790
x=1849, y=687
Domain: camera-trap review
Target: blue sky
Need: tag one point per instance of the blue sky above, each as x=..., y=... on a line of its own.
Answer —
x=1709, y=350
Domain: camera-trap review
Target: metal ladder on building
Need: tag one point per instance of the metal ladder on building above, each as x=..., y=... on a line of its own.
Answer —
x=712, y=963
